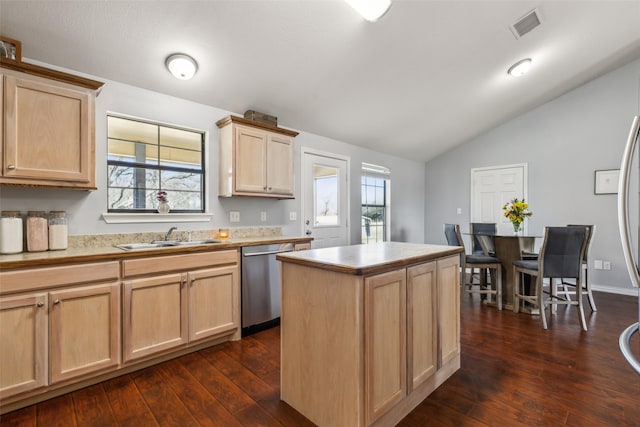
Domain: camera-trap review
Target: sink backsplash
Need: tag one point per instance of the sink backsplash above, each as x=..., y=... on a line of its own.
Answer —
x=102, y=240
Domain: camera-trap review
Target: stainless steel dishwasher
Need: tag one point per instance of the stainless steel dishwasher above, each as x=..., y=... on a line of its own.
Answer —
x=261, y=286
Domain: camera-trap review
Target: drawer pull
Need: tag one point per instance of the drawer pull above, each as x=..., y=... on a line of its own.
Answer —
x=56, y=301
x=11, y=167
x=40, y=304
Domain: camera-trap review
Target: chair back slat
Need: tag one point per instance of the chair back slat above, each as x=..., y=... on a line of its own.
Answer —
x=562, y=251
x=452, y=234
x=481, y=227
x=591, y=230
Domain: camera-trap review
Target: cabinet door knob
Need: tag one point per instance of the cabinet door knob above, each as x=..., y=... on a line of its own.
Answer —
x=40, y=304
x=11, y=166
x=56, y=301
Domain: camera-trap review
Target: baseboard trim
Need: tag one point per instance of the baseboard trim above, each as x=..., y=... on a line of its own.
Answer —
x=615, y=290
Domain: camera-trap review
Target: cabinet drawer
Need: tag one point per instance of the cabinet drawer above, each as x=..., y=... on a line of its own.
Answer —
x=159, y=264
x=67, y=275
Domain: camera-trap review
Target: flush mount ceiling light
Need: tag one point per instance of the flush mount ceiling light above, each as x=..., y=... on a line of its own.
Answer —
x=182, y=66
x=520, y=68
x=371, y=10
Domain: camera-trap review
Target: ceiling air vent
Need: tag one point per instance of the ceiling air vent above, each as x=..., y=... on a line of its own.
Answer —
x=525, y=24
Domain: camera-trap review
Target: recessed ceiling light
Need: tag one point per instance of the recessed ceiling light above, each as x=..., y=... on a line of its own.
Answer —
x=371, y=10
x=520, y=68
x=182, y=66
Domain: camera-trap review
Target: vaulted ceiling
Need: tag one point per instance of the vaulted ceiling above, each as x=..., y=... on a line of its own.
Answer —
x=427, y=76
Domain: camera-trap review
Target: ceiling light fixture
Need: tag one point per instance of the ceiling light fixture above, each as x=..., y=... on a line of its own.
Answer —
x=520, y=68
x=371, y=10
x=182, y=66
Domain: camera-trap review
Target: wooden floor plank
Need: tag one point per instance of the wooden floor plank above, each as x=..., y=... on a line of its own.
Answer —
x=25, y=417
x=167, y=407
x=512, y=373
x=249, y=382
x=128, y=405
x=56, y=412
x=92, y=407
x=226, y=391
x=204, y=407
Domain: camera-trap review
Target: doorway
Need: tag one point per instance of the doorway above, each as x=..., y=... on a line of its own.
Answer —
x=491, y=188
x=325, y=198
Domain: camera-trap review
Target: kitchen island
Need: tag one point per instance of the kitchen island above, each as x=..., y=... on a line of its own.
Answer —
x=368, y=331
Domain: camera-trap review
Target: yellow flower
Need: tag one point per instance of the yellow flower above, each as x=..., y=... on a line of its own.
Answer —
x=516, y=211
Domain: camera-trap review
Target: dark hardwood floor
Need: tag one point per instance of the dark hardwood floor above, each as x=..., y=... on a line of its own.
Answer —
x=513, y=373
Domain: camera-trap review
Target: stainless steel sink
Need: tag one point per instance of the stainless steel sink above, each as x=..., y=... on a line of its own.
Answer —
x=156, y=244
x=139, y=246
x=199, y=242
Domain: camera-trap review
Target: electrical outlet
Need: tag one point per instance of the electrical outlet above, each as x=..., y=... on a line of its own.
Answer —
x=234, y=216
x=459, y=211
x=263, y=216
x=293, y=216
x=597, y=264
x=606, y=265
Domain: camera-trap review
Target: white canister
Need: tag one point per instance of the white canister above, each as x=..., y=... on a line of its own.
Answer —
x=58, y=230
x=11, y=241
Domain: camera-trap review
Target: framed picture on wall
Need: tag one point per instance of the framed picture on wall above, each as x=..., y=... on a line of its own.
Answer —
x=10, y=48
x=606, y=181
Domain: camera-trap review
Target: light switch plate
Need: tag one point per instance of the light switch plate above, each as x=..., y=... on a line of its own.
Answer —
x=234, y=216
x=293, y=216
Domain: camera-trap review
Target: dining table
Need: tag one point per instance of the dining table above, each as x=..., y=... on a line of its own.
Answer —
x=507, y=248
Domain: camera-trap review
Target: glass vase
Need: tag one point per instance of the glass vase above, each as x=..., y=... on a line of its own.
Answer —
x=516, y=227
x=163, y=207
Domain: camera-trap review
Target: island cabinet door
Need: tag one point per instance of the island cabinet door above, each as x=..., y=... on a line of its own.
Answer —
x=155, y=315
x=449, y=309
x=385, y=342
x=422, y=318
x=213, y=302
x=85, y=330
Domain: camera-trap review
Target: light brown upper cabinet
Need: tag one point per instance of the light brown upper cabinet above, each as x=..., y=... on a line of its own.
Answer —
x=256, y=159
x=48, y=127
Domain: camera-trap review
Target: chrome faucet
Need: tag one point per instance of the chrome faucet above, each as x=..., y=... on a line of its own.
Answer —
x=166, y=236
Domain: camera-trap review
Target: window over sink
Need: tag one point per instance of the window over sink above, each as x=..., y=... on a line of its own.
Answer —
x=146, y=158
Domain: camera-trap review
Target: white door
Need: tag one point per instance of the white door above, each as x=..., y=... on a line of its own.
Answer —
x=325, y=195
x=491, y=188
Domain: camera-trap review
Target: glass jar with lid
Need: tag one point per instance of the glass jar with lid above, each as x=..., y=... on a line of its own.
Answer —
x=58, y=230
x=37, y=235
x=10, y=232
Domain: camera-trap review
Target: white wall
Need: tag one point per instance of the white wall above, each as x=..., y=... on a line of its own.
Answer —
x=563, y=142
x=85, y=208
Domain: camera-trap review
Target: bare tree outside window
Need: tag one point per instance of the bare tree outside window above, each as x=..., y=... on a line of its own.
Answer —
x=145, y=158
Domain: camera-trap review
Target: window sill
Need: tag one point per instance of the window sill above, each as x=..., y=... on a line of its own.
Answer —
x=132, y=218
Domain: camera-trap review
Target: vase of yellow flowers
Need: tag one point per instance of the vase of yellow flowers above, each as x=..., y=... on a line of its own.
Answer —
x=516, y=211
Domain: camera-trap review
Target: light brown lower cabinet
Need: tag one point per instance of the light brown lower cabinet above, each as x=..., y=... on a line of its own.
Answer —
x=404, y=311
x=65, y=327
x=84, y=328
x=23, y=353
x=168, y=311
x=399, y=328
x=155, y=312
x=51, y=337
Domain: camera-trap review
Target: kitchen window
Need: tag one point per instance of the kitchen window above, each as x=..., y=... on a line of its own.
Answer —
x=146, y=157
x=375, y=188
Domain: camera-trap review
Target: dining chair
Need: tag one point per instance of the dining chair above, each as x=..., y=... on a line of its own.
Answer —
x=485, y=228
x=482, y=262
x=565, y=289
x=561, y=256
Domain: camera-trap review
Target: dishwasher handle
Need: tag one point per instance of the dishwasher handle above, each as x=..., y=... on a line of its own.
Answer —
x=267, y=252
